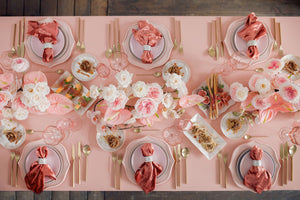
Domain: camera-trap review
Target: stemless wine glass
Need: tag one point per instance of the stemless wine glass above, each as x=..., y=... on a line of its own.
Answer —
x=53, y=135
x=103, y=70
x=291, y=134
x=118, y=61
x=173, y=135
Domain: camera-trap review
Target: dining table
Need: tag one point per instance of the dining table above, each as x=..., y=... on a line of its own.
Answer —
x=203, y=174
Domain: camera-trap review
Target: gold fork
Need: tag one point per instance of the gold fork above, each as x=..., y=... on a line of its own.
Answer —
x=13, y=49
x=82, y=42
x=17, y=158
x=174, y=24
x=280, y=52
x=114, y=159
x=275, y=35
x=180, y=39
x=79, y=162
x=175, y=165
x=220, y=167
x=12, y=157
x=225, y=158
x=120, y=159
x=78, y=37
x=73, y=163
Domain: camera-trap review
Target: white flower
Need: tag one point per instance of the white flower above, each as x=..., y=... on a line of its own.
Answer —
x=139, y=89
x=94, y=91
x=7, y=113
x=21, y=114
x=174, y=81
x=155, y=92
x=182, y=90
x=124, y=78
x=262, y=85
x=119, y=102
x=36, y=98
x=20, y=64
x=167, y=101
x=29, y=89
x=43, y=104
x=9, y=124
x=110, y=93
x=26, y=101
x=42, y=88
x=238, y=92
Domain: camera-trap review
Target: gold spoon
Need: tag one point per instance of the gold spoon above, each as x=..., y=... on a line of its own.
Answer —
x=156, y=74
x=275, y=46
x=13, y=49
x=82, y=47
x=292, y=151
x=108, y=52
x=31, y=131
x=86, y=151
x=175, y=41
x=211, y=49
x=185, y=153
x=248, y=137
x=78, y=38
x=58, y=71
x=138, y=130
x=258, y=70
x=280, y=52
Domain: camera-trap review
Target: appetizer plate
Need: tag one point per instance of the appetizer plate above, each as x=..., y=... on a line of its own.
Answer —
x=237, y=47
x=241, y=162
x=12, y=145
x=79, y=73
x=185, y=72
x=228, y=132
x=218, y=139
x=204, y=108
x=62, y=49
x=56, y=85
x=133, y=158
x=102, y=143
x=161, y=52
x=57, y=159
x=296, y=60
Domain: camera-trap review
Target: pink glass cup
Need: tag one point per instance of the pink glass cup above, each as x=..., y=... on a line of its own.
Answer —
x=103, y=70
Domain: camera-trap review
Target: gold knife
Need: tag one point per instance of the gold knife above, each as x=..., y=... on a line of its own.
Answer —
x=216, y=35
x=19, y=41
x=79, y=162
x=23, y=38
x=118, y=35
x=282, y=162
x=286, y=154
x=221, y=39
x=175, y=166
x=179, y=160
x=73, y=158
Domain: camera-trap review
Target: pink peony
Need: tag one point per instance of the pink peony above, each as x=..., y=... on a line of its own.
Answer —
x=260, y=102
x=190, y=100
x=146, y=107
x=274, y=66
x=155, y=92
x=119, y=102
x=289, y=92
x=238, y=92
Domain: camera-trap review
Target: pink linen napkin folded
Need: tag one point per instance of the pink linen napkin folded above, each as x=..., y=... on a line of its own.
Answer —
x=146, y=175
x=252, y=31
x=46, y=32
x=35, y=178
x=147, y=35
x=258, y=178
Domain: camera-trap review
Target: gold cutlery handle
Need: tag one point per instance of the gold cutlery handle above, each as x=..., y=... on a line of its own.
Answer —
x=83, y=27
x=225, y=176
x=279, y=30
x=11, y=172
x=120, y=171
x=79, y=39
x=86, y=166
x=179, y=173
x=109, y=35
x=174, y=24
x=14, y=37
x=79, y=171
x=115, y=174
x=282, y=172
x=175, y=169
x=286, y=170
x=17, y=174
x=220, y=172
x=275, y=34
x=212, y=34
x=73, y=173
x=20, y=31
x=292, y=168
x=179, y=26
x=186, y=177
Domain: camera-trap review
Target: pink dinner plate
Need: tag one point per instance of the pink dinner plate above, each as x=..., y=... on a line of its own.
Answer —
x=53, y=160
x=38, y=48
x=159, y=156
x=137, y=49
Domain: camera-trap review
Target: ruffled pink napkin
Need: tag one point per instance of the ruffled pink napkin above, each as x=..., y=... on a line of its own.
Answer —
x=146, y=175
x=46, y=33
x=38, y=171
x=147, y=35
x=258, y=178
x=252, y=31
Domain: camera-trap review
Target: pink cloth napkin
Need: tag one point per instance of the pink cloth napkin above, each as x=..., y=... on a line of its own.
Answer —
x=147, y=35
x=46, y=33
x=252, y=31
x=146, y=175
x=258, y=178
x=35, y=178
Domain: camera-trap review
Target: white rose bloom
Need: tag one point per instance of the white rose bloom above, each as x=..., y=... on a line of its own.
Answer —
x=44, y=104
x=26, y=101
x=242, y=93
x=29, y=89
x=36, y=98
x=7, y=113
x=8, y=124
x=42, y=88
x=110, y=93
x=21, y=114
x=182, y=90
x=140, y=89
x=94, y=92
x=263, y=85
x=167, y=101
x=124, y=78
x=174, y=81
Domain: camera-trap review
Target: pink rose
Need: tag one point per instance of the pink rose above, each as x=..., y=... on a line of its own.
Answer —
x=202, y=93
x=289, y=92
x=252, y=81
x=190, y=100
x=146, y=107
x=155, y=92
x=119, y=102
x=260, y=102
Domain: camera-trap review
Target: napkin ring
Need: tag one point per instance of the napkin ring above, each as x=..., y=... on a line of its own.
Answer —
x=42, y=161
x=48, y=45
x=256, y=163
x=251, y=43
x=148, y=158
x=147, y=48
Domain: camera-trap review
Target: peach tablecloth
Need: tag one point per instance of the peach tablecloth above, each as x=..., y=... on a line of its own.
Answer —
x=202, y=174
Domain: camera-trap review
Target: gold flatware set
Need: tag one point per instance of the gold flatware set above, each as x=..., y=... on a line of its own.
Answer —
x=117, y=163
x=113, y=34
x=216, y=48
x=18, y=50
x=14, y=171
x=177, y=154
x=222, y=158
x=285, y=153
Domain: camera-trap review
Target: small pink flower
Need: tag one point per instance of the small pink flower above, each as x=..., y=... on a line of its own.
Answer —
x=253, y=80
x=273, y=66
x=289, y=92
x=155, y=92
x=190, y=100
x=5, y=97
x=119, y=102
x=260, y=102
x=146, y=107
x=202, y=93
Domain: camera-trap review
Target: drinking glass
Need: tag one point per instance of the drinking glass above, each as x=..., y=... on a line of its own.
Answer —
x=291, y=134
x=103, y=70
x=118, y=61
x=173, y=135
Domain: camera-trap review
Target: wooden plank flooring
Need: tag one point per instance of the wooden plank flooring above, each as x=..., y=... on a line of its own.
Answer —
x=148, y=7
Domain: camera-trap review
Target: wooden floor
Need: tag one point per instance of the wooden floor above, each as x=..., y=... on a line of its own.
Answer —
x=148, y=7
